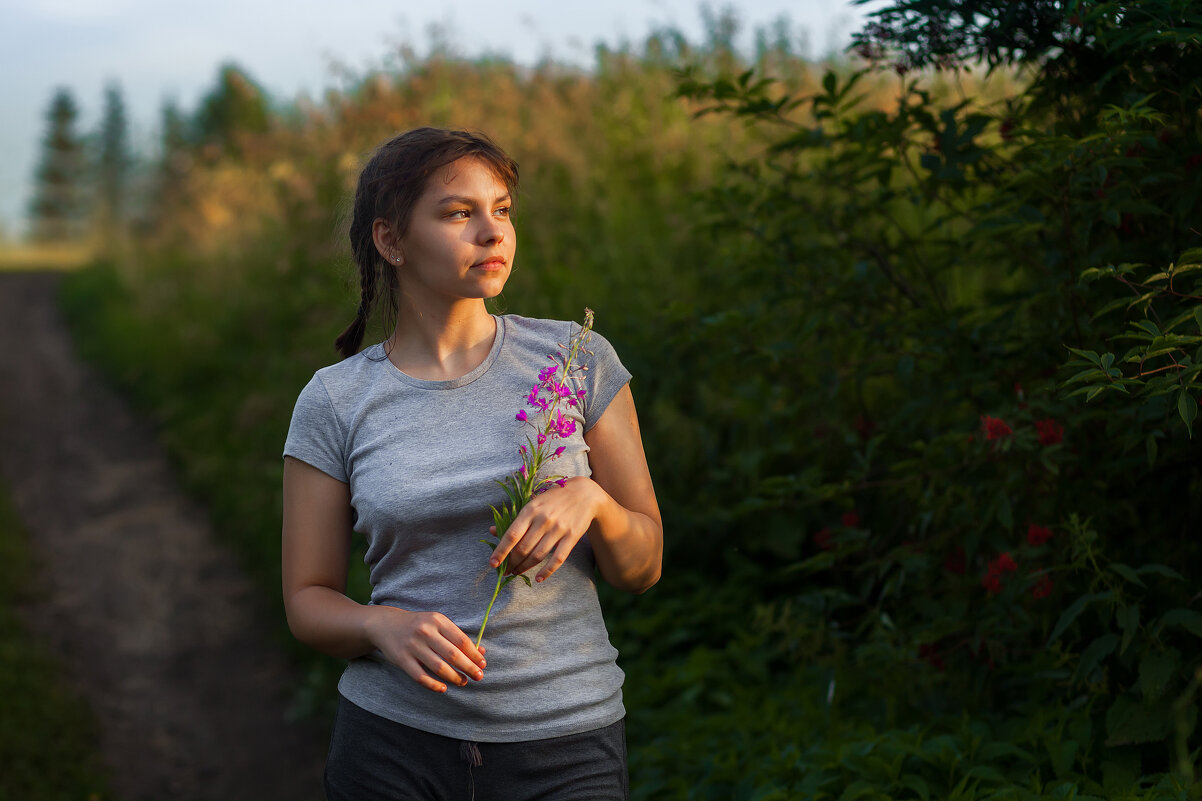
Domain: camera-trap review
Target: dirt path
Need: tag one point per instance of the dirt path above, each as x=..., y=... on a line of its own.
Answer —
x=154, y=620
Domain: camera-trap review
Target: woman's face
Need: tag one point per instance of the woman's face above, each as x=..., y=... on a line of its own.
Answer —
x=460, y=242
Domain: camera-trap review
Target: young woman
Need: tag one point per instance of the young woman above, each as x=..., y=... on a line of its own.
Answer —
x=405, y=442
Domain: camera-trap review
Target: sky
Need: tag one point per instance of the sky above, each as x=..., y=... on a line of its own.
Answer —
x=155, y=50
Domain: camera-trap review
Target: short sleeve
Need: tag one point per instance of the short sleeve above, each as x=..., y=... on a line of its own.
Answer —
x=316, y=436
x=604, y=380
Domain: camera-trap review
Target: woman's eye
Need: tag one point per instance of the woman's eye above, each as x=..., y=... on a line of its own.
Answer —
x=458, y=214
x=503, y=211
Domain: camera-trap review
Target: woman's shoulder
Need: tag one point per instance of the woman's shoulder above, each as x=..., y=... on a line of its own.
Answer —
x=556, y=332
x=352, y=370
x=543, y=336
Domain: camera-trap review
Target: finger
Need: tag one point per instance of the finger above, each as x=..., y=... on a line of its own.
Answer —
x=462, y=652
x=521, y=562
x=555, y=562
x=459, y=661
x=513, y=536
x=418, y=673
x=539, y=535
x=438, y=665
x=533, y=560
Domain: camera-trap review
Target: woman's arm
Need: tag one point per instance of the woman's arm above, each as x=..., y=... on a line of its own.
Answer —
x=616, y=506
x=316, y=551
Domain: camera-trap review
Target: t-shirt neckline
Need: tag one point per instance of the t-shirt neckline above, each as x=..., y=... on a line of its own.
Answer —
x=451, y=383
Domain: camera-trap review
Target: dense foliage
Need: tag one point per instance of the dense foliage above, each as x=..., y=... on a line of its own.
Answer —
x=918, y=365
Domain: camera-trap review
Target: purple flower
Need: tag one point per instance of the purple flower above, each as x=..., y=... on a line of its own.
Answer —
x=561, y=481
x=542, y=438
x=521, y=415
x=522, y=471
x=558, y=452
x=563, y=427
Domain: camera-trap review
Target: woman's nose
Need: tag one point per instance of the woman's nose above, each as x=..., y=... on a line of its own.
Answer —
x=492, y=231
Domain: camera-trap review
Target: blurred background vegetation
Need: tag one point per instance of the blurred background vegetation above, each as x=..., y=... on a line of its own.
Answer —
x=916, y=343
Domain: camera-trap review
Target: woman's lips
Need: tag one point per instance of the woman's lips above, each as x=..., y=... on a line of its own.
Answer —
x=494, y=263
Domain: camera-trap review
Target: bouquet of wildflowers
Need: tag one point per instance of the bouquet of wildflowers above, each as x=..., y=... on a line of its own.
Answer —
x=557, y=386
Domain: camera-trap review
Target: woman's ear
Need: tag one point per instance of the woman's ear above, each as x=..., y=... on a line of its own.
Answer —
x=387, y=244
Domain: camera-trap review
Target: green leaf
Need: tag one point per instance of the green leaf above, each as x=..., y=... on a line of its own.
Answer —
x=1128, y=620
x=1198, y=316
x=1073, y=612
x=1187, y=407
x=1160, y=570
x=1187, y=619
x=1156, y=670
x=524, y=578
x=1149, y=326
x=1088, y=354
x=1063, y=754
x=1130, y=721
x=1127, y=573
x=917, y=785
x=1098, y=650
x=1091, y=373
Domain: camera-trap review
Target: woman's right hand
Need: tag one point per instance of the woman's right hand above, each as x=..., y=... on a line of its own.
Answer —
x=426, y=645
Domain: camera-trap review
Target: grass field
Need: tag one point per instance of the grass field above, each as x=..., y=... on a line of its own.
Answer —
x=48, y=735
x=44, y=257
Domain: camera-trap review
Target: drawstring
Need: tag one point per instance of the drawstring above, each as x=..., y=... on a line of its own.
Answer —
x=470, y=753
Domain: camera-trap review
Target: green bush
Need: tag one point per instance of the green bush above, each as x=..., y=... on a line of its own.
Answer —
x=918, y=374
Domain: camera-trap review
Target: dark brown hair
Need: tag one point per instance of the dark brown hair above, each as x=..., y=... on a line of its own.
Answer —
x=389, y=186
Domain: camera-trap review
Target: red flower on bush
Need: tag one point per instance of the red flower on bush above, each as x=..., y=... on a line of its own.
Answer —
x=994, y=427
x=1043, y=587
x=822, y=538
x=850, y=519
x=865, y=427
x=930, y=653
x=992, y=581
x=1050, y=432
x=1038, y=535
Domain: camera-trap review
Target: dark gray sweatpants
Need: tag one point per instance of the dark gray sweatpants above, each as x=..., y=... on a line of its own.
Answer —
x=375, y=759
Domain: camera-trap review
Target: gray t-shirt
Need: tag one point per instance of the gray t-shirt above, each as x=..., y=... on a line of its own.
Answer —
x=422, y=460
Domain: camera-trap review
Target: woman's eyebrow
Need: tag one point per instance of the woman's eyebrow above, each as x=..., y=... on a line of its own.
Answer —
x=468, y=201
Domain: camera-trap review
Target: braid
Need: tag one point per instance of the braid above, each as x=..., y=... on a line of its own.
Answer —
x=364, y=251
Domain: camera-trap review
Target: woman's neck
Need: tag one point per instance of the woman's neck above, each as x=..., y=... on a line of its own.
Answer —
x=439, y=344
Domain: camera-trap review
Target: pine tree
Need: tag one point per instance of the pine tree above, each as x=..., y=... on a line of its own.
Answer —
x=236, y=105
x=114, y=164
x=58, y=205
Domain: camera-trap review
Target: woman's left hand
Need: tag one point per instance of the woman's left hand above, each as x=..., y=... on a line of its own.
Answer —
x=549, y=525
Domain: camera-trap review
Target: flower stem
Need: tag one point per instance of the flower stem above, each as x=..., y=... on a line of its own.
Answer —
x=497, y=589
